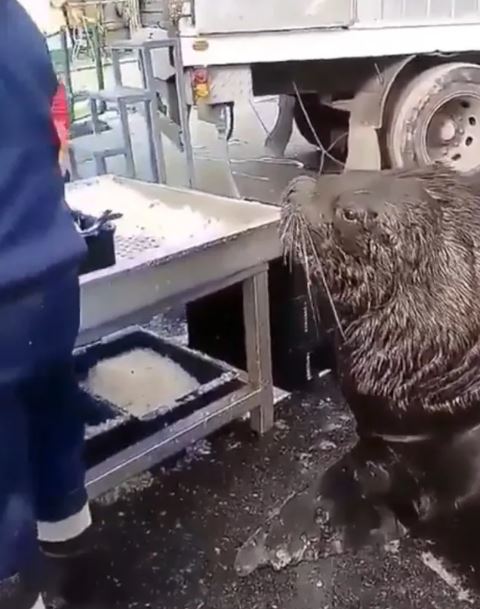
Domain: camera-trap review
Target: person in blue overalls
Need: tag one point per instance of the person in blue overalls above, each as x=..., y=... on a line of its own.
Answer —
x=43, y=503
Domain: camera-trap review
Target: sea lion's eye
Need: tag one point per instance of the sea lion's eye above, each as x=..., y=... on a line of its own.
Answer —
x=349, y=215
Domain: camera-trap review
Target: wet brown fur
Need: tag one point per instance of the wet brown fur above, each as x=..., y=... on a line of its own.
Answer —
x=403, y=273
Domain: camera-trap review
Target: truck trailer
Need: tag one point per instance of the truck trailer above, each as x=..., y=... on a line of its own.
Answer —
x=400, y=77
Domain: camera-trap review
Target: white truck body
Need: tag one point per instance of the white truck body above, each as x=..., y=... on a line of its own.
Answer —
x=398, y=69
x=252, y=31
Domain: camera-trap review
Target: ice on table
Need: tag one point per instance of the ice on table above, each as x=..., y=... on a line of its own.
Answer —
x=139, y=381
x=166, y=227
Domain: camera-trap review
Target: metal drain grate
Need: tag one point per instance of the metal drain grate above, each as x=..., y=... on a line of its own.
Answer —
x=129, y=247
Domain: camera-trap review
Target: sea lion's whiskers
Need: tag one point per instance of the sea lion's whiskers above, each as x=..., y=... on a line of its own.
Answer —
x=292, y=235
x=306, y=266
x=294, y=232
x=289, y=229
x=319, y=268
x=291, y=249
x=286, y=229
x=296, y=243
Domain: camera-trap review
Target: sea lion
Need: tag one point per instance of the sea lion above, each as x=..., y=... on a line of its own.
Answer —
x=397, y=256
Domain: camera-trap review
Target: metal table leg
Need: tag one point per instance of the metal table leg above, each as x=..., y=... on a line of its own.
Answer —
x=94, y=116
x=154, y=118
x=183, y=113
x=117, y=67
x=72, y=159
x=127, y=138
x=151, y=142
x=256, y=316
x=100, y=163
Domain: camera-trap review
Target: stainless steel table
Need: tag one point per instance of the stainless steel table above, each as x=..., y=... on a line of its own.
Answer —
x=153, y=273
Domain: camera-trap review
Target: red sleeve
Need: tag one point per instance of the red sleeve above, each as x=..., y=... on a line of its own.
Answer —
x=60, y=114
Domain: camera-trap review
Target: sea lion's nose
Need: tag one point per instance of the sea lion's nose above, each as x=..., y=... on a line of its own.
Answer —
x=311, y=197
x=299, y=194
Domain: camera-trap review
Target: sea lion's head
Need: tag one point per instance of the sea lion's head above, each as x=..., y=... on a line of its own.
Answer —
x=370, y=235
x=396, y=253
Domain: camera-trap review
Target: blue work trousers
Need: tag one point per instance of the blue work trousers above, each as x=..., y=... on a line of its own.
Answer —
x=41, y=424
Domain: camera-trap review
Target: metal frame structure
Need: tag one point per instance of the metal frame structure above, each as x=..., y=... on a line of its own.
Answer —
x=124, y=97
x=255, y=398
x=143, y=284
x=157, y=123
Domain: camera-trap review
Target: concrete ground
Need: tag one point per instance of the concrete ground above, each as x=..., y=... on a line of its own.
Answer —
x=172, y=535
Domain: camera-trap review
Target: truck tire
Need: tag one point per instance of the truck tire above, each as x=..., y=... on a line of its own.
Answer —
x=325, y=120
x=436, y=118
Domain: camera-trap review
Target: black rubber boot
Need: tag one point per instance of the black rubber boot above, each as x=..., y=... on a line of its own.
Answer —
x=76, y=572
x=19, y=593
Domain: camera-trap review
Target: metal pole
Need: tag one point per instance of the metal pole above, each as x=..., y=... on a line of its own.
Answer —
x=154, y=118
x=183, y=112
x=97, y=55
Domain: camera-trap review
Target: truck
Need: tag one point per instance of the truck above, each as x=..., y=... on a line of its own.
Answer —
x=399, y=78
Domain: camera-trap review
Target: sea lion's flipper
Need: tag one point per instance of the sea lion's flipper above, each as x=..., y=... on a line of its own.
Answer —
x=286, y=538
x=333, y=515
x=353, y=495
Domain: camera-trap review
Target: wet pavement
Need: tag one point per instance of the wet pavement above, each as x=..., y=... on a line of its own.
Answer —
x=173, y=535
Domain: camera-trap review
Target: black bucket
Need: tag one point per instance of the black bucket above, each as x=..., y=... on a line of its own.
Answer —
x=101, y=245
